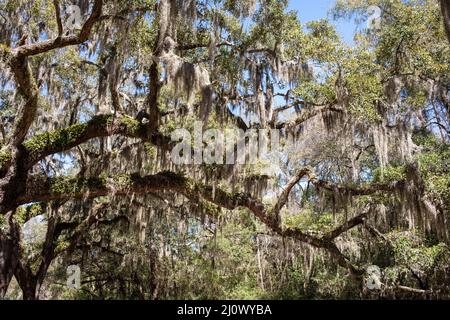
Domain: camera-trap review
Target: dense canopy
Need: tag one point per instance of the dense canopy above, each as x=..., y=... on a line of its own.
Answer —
x=92, y=93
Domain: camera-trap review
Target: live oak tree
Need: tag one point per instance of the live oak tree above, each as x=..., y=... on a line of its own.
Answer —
x=87, y=115
x=445, y=7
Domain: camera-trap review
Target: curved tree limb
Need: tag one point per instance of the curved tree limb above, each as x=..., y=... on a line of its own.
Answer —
x=26, y=85
x=306, y=113
x=60, y=42
x=44, y=189
x=353, y=222
x=282, y=199
x=51, y=142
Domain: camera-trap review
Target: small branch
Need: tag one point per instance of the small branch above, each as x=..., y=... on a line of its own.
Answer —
x=47, y=143
x=287, y=189
x=353, y=222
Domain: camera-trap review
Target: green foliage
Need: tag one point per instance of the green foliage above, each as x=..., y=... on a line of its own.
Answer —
x=5, y=156
x=312, y=222
x=314, y=92
x=389, y=174
x=133, y=126
x=434, y=163
x=26, y=212
x=413, y=258
x=67, y=185
x=57, y=138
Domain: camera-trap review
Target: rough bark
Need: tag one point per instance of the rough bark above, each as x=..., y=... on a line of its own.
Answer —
x=445, y=8
x=8, y=263
x=60, y=42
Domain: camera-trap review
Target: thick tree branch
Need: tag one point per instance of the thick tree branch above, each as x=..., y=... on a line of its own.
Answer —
x=44, y=189
x=60, y=42
x=376, y=233
x=356, y=190
x=44, y=144
x=287, y=189
x=27, y=88
x=306, y=113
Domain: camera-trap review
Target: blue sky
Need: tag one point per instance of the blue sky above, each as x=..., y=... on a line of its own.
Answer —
x=309, y=10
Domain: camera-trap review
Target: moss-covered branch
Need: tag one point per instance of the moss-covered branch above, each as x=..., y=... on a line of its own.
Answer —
x=45, y=189
x=51, y=142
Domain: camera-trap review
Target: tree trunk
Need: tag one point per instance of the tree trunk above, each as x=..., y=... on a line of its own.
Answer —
x=445, y=7
x=30, y=282
x=27, y=282
x=13, y=182
x=29, y=292
x=7, y=264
